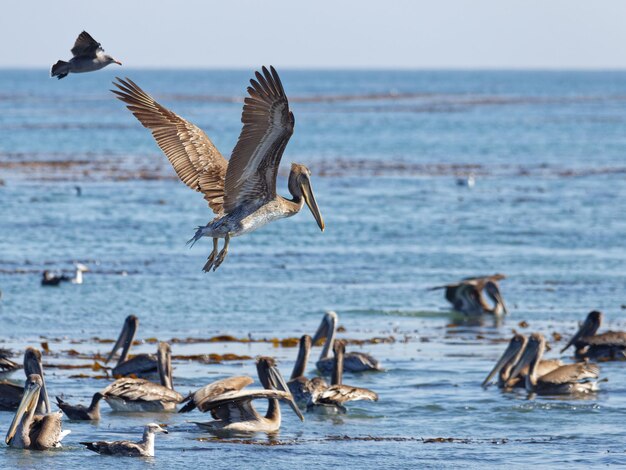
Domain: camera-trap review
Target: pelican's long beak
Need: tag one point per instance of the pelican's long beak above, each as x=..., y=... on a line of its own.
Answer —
x=277, y=382
x=309, y=198
x=322, y=331
x=498, y=298
x=511, y=351
x=164, y=365
x=529, y=354
x=27, y=405
x=588, y=328
x=32, y=365
x=124, y=340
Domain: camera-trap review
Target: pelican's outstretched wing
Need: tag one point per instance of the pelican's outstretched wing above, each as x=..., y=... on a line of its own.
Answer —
x=214, y=389
x=85, y=45
x=267, y=127
x=195, y=159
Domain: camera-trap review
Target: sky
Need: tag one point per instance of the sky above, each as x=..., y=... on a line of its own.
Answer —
x=404, y=34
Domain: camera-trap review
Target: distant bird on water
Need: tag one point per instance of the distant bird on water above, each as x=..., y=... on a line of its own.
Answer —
x=88, y=56
x=242, y=191
x=143, y=448
x=467, y=297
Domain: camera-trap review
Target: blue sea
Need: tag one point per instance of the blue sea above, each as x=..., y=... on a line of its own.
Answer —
x=387, y=151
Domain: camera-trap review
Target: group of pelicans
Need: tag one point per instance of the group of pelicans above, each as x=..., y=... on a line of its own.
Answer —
x=230, y=402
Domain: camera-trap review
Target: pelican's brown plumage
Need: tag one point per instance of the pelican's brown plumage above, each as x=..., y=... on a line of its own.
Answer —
x=467, y=297
x=607, y=346
x=568, y=379
x=11, y=393
x=6, y=364
x=140, y=365
x=299, y=385
x=242, y=191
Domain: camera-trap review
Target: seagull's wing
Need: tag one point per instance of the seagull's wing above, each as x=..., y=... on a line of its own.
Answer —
x=195, y=159
x=267, y=126
x=85, y=45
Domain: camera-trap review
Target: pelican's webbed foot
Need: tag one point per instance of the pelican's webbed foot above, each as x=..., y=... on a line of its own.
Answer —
x=211, y=259
x=223, y=253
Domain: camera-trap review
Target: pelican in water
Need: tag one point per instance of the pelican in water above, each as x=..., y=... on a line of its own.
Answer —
x=11, y=394
x=331, y=399
x=6, y=364
x=610, y=345
x=300, y=387
x=353, y=362
x=510, y=358
x=242, y=191
x=143, y=448
x=131, y=394
x=141, y=365
x=467, y=295
x=568, y=379
x=82, y=412
x=230, y=403
x=31, y=431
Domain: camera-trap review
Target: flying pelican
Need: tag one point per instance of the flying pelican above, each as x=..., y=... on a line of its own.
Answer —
x=88, y=56
x=509, y=359
x=231, y=406
x=31, y=431
x=466, y=295
x=242, y=191
x=299, y=386
x=141, y=365
x=565, y=380
x=331, y=399
x=11, y=394
x=81, y=412
x=143, y=448
x=7, y=365
x=131, y=394
x=353, y=362
x=610, y=345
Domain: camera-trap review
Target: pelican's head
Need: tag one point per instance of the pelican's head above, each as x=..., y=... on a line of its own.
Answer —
x=534, y=351
x=271, y=379
x=33, y=366
x=589, y=328
x=153, y=428
x=300, y=187
x=32, y=389
x=126, y=337
x=510, y=356
x=111, y=60
x=327, y=327
x=492, y=290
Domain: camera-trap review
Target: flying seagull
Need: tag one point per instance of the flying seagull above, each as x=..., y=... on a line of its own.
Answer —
x=88, y=56
x=242, y=191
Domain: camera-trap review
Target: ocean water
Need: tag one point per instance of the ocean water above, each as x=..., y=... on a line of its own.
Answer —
x=548, y=152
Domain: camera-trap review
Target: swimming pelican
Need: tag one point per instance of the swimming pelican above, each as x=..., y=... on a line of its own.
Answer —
x=143, y=448
x=565, y=380
x=467, y=295
x=353, y=362
x=31, y=431
x=299, y=386
x=509, y=359
x=82, y=412
x=141, y=365
x=242, y=191
x=131, y=394
x=331, y=399
x=231, y=406
x=610, y=345
x=6, y=364
x=11, y=393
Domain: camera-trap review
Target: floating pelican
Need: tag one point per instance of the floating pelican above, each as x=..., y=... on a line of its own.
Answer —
x=510, y=358
x=88, y=56
x=141, y=365
x=466, y=296
x=11, y=393
x=81, y=412
x=143, y=448
x=353, y=362
x=242, y=191
x=6, y=364
x=565, y=380
x=299, y=386
x=331, y=399
x=610, y=345
x=131, y=394
x=31, y=431
x=231, y=406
